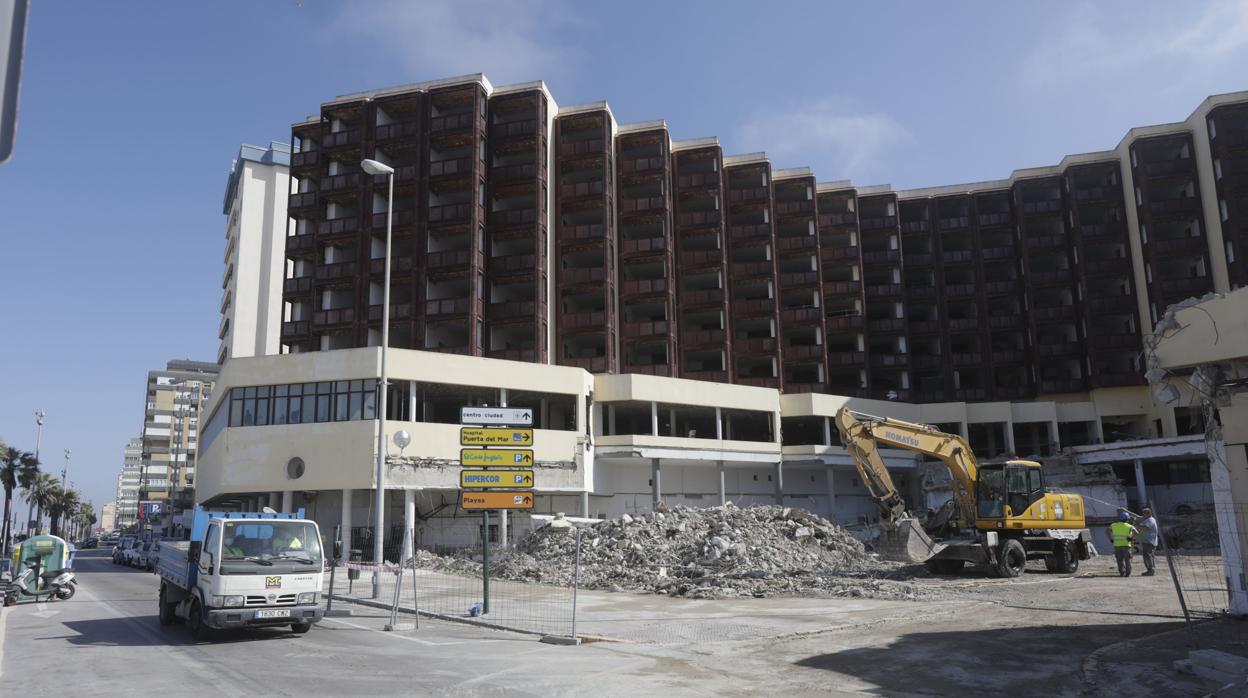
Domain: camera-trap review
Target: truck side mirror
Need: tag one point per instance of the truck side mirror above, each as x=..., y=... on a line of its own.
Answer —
x=192, y=552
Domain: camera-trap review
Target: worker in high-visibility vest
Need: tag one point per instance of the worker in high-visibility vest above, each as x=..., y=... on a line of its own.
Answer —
x=1122, y=535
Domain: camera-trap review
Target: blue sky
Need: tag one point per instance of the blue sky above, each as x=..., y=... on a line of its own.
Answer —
x=110, y=209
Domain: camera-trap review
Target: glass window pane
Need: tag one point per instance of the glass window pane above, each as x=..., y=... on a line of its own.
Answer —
x=370, y=384
x=249, y=412
x=262, y=412
x=249, y=392
x=322, y=407
x=342, y=386
x=324, y=388
x=236, y=413
x=262, y=391
x=357, y=386
x=296, y=389
x=279, y=410
x=340, y=407
x=357, y=402
x=370, y=405
x=280, y=390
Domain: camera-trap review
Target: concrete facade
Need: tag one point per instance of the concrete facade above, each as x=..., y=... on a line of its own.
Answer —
x=169, y=444
x=255, y=253
x=128, y=483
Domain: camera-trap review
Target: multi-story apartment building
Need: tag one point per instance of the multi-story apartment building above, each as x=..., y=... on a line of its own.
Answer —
x=128, y=483
x=528, y=231
x=108, y=517
x=256, y=194
x=169, y=446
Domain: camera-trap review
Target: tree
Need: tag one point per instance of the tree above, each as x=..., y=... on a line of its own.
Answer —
x=39, y=494
x=17, y=469
x=63, y=502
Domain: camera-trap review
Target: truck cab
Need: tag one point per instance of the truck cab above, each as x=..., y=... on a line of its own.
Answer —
x=244, y=570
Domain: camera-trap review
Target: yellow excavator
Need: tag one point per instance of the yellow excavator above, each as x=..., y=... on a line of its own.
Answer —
x=1001, y=515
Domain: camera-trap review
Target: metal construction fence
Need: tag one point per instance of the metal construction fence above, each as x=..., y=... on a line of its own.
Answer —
x=467, y=585
x=1204, y=553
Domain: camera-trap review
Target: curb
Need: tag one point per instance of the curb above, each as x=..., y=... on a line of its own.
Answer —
x=454, y=619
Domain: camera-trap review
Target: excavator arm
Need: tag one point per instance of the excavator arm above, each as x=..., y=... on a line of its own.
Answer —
x=862, y=436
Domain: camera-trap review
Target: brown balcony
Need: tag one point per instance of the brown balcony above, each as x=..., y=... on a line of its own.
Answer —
x=406, y=129
x=712, y=376
x=842, y=288
x=326, y=318
x=877, y=256
x=511, y=173
x=645, y=329
x=758, y=306
x=515, y=263
x=884, y=290
x=1008, y=356
x=1195, y=286
x=524, y=127
x=336, y=271
x=954, y=223
x=760, y=268
x=790, y=208
x=748, y=194
x=846, y=357
x=642, y=164
x=970, y=394
x=455, y=122
x=398, y=311
x=1167, y=168
x=651, y=203
x=517, y=217
x=795, y=279
x=1007, y=392
x=889, y=360
x=642, y=246
x=791, y=243
x=528, y=355
x=643, y=287
x=407, y=174
x=838, y=218
x=307, y=158
x=836, y=254
x=593, y=146
x=801, y=315
x=706, y=296
x=843, y=322
x=987, y=219
x=588, y=231
x=748, y=232
x=300, y=245
x=1051, y=276
x=1009, y=287
x=914, y=227
x=1036, y=242
x=1096, y=193
x=649, y=369
x=891, y=324
x=955, y=256
x=593, y=364
x=580, y=189
x=1060, y=313
x=1126, y=341
x=338, y=226
x=1100, y=230
x=920, y=361
x=920, y=292
x=452, y=166
x=339, y=183
x=511, y=309
x=302, y=284
x=961, y=290
x=693, y=338
x=699, y=180
x=446, y=306
x=1004, y=252
x=918, y=259
x=803, y=352
x=698, y=218
x=299, y=202
x=398, y=265
x=1062, y=386
x=341, y=139
x=966, y=323
x=1036, y=207
x=296, y=328
x=1005, y=322
x=1112, y=304
x=756, y=345
x=1183, y=245
x=590, y=319
x=574, y=276
x=759, y=382
x=698, y=258
x=449, y=258
x=452, y=213
x=878, y=223
x=925, y=326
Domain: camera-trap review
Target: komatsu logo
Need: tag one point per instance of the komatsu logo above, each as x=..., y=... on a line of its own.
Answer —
x=909, y=440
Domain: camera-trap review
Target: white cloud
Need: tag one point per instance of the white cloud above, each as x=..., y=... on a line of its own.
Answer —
x=1095, y=44
x=836, y=137
x=508, y=40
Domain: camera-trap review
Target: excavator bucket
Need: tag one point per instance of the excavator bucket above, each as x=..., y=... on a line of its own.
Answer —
x=905, y=541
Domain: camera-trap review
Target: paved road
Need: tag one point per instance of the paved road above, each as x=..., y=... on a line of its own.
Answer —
x=106, y=640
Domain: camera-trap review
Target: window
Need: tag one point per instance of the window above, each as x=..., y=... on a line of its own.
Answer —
x=301, y=403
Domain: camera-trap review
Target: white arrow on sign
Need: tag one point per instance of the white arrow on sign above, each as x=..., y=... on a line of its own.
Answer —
x=503, y=416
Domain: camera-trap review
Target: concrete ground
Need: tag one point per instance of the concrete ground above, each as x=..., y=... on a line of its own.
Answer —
x=1042, y=634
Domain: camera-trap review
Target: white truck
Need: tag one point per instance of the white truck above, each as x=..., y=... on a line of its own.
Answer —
x=243, y=569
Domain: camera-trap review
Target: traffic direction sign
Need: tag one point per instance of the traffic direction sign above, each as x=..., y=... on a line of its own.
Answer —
x=476, y=436
x=499, y=478
x=499, y=416
x=475, y=501
x=497, y=456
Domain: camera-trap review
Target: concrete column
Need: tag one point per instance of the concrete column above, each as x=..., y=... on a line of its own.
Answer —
x=831, y=474
x=585, y=504
x=262, y=501
x=1140, y=489
x=719, y=423
x=656, y=487
x=611, y=419
x=275, y=500
x=671, y=420
x=346, y=521
x=409, y=521
x=1055, y=436
x=723, y=493
x=827, y=431
x=288, y=500
x=780, y=483
x=411, y=400
x=1098, y=434
x=654, y=419
x=1009, y=439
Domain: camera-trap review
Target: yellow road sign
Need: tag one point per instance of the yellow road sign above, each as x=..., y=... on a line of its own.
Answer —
x=500, y=478
x=496, y=456
x=477, y=436
x=476, y=501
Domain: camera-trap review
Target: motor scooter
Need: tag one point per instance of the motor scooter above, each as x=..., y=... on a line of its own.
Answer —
x=57, y=584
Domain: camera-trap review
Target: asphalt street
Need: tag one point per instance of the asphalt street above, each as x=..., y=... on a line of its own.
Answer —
x=107, y=641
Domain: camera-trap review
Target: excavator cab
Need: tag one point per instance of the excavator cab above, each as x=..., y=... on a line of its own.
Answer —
x=1006, y=490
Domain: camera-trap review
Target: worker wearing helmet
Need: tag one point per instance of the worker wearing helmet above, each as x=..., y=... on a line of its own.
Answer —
x=1122, y=535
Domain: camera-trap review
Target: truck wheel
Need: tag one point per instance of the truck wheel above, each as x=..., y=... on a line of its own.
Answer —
x=300, y=628
x=945, y=566
x=167, y=615
x=195, y=622
x=1066, y=557
x=1011, y=559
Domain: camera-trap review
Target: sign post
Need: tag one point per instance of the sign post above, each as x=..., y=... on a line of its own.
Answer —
x=495, y=478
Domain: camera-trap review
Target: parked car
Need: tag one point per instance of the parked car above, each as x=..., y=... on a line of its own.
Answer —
x=151, y=553
x=131, y=555
x=119, y=550
x=89, y=543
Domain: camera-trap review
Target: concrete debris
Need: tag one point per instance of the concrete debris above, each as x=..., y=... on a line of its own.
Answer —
x=712, y=553
x=1197, y=531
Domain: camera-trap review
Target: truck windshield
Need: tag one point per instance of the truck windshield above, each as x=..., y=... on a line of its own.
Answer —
x=249, y=546
x=990, y=493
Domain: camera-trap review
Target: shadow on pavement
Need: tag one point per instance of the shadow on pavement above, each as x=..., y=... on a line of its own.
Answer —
x=121, y=632
x=1035, y=660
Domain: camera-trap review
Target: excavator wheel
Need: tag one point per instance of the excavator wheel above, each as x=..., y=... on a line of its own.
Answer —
x=1011, y=559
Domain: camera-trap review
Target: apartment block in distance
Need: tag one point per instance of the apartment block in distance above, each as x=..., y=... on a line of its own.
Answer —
x=256, y=194
x=176, y=397
x=128, y=483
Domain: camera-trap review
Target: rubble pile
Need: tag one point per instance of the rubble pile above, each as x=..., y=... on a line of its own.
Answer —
x=711, y=553
x=1197, y=531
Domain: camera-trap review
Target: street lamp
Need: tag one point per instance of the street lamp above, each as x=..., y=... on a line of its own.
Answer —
x=373, y=167
x=39, y=415
x=175, y=487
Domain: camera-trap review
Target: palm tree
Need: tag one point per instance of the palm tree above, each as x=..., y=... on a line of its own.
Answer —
x=39, y=495
x=17, y=469
x=84, y=519
x=63, y=501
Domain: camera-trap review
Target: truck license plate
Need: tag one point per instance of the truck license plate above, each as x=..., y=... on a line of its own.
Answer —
x=273, y=613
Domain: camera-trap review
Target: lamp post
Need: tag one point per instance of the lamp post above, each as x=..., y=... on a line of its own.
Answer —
x=373, y=167
x=39, y=415
x=175, y=488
